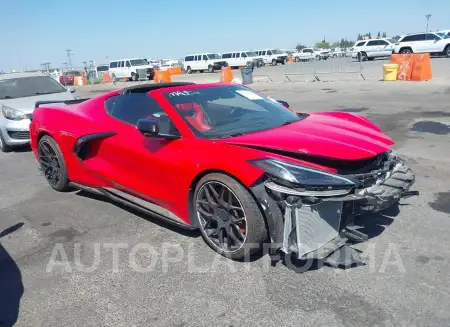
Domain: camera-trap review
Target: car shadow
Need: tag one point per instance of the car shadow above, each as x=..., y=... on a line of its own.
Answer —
x=21, y=149
x=11, y=287
x=148, y=217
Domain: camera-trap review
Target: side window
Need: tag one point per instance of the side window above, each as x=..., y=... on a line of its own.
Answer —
x=431, y=37
x=122, y=64
x=417, y=38
x=264, y=53
x=448, y=33
x=131, y=107
x=109, y=104
x=226, y=55
x=113, y=64
x=205, y=57
x=269, y=53
x=382, y=42
x=372, y=43
x=128, y=63
x=360, y=44
x=238, y=55
x=244, y=55
x=189, y=58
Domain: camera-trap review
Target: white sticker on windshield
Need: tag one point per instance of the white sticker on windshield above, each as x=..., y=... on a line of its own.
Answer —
x=249, y=95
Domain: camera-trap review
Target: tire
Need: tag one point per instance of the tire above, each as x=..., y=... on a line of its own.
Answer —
x=406, y=50
x=134, y=77
x=297, y=59
x=189, y=70
x=210, y=69
x=114, y=78
x=223, y=221
x=3, y=146
x=318, y=58
x=274, y=62
x=57, y=161
x=362, y=56
x=447, y=51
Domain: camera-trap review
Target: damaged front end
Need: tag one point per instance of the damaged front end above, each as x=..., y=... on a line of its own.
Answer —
x=311, y=213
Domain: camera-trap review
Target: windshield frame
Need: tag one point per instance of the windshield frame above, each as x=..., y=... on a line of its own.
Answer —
x=273, y=113
x=58, y=87
x=145, y=62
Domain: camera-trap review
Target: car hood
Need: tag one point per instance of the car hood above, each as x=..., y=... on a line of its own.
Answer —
x=27, y=104
x=343, y=136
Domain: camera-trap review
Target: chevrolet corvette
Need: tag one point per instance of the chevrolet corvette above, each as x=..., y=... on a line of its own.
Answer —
x=243, y=168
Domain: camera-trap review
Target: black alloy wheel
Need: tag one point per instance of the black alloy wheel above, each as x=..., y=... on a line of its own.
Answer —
x=52, y=164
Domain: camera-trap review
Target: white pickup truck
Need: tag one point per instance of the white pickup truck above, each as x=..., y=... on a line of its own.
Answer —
x=308, y=54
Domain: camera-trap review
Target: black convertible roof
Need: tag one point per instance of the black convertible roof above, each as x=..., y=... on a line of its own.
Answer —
x=145, y=88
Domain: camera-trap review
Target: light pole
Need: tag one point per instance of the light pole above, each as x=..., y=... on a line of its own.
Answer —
x=69, y=54
x=428, y=19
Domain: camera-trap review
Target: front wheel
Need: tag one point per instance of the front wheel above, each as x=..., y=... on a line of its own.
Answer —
x=52, y=164
x=189, y=70
x=406, y=51
x=447, y=51
x=210, y=69
x=3, y=146
x=229, y=219
x=274, y=62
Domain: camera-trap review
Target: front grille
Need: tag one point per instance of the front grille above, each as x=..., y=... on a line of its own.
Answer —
x=19, y=135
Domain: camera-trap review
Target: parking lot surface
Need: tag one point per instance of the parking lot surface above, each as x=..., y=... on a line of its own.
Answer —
x=405, y=281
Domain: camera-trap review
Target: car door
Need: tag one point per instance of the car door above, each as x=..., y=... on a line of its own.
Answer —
x=372, y=49
x=432, y=43
x=386, y=48
x=138, y=167
x=418, y=43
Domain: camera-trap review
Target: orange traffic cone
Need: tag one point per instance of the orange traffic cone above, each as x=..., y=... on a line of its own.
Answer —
x=226, y=75
x=164, y=77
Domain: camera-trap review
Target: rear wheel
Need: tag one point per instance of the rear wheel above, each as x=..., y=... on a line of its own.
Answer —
x=230, y=221
x=189, y=70
x=274, y=62
x=3, y=146
x=406, y=50
x=52, y=164
x=362, y=56
x=134, y=77
x=447, y=51
x=210, y=69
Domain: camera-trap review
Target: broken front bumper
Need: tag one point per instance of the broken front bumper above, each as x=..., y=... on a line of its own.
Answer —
x=316, y=225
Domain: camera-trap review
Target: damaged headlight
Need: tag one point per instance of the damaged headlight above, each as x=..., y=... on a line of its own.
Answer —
x=300, y=175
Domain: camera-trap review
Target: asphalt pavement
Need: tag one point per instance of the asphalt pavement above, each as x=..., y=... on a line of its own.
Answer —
x=58, y=265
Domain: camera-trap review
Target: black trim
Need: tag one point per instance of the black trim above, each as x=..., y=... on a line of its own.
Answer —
x=145, y=88
x=80, y=148
x=75, y=101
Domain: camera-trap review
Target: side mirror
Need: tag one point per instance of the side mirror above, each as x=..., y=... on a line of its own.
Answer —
x=284, y=103
x=71, y=89
x=148, y=127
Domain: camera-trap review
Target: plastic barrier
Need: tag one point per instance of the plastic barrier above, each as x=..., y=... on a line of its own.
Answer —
x=162, y=76
x=175, y=71
x=421, y=67
x=291, y=59
x=413, y=67
x=79, y=81
x=390, y=72
x=226, y=75
x=106, y=79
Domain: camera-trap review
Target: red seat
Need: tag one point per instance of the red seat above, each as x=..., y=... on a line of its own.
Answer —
x=193, y=114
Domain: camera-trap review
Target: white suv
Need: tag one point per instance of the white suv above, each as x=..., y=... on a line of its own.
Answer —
x=273, y=56
x=373, y=48
x=243, y=58
x=128, y=68
x=433, y=43
x=203, y=61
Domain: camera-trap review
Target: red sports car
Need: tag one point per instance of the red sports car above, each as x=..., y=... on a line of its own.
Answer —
x=242, y=168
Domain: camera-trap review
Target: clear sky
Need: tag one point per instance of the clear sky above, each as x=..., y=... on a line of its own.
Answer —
x=37, y=31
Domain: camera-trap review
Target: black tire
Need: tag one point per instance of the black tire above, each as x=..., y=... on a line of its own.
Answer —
x=406, y=50
x=62, y=183
x=274, y=62
x=447, y=51
x=114, y=78
x=255, y=228
x=297, y=59
x=3, y=146
x=210, y=69
x=189, y=70
x=318, y=58
x=134, y=77
x=362, y=56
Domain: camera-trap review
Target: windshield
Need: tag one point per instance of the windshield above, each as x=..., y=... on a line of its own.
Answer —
x=138, y=62
x=443, y=35
x=226, y=111
x=29, y=86
x=276, y=51
x=102, y=68
x=251, y=54
x=213, y=56
x=72, y=73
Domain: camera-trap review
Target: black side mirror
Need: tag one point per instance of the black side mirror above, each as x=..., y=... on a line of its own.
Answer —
x=148, y=127
x=284, y=103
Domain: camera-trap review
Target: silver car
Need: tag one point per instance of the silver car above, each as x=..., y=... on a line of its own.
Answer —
x=19, y=93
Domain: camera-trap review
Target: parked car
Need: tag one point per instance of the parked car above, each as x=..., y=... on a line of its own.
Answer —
x=202, y=62
x=243, y=58
x=67, y=78
x=273, y=56
x=446, y=32
x=240, y=167
x=128, y=68
x=308, y=54
x=18, y=94
x=433, y=43
x=373, y=48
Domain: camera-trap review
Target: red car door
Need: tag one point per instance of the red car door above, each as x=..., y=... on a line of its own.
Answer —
x=138, y=167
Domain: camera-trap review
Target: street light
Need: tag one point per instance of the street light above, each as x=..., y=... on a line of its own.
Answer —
x=69, y=54
x=428, y=19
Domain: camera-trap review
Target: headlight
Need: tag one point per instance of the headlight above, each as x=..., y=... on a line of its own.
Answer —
x=302, y=176
x=12, y=114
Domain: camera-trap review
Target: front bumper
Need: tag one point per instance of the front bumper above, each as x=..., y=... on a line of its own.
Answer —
x=15, y=133
x=219, y=64
x=282, y=59
x=318, y=226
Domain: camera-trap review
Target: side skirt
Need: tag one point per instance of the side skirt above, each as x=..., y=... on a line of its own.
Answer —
x=137, y=204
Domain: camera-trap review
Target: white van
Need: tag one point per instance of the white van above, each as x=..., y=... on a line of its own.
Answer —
x=127, y=68
x=203, y=61
x=243, y=58
x=273, y=56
